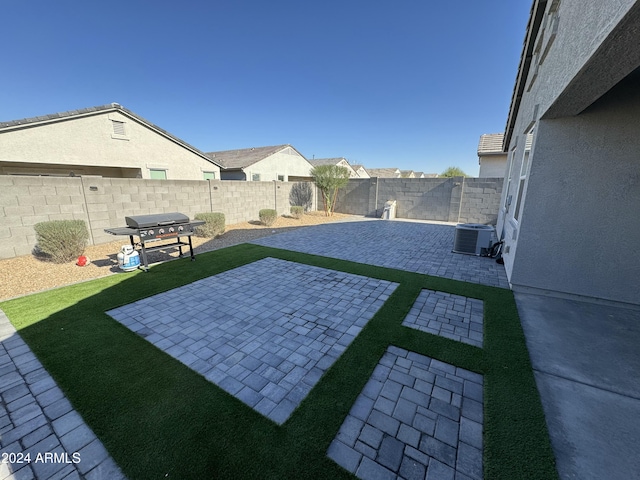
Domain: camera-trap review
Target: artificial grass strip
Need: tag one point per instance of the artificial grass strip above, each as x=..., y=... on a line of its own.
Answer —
x=160, y=419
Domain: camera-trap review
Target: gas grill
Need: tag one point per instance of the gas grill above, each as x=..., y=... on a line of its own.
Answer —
x=154, y=228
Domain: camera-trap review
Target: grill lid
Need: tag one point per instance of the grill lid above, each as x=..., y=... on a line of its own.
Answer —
x=145, y=221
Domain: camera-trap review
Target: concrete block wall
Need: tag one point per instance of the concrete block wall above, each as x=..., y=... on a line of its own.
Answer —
x=25, y=201
x=481, y=200
x=105, y=202
x=463, y=200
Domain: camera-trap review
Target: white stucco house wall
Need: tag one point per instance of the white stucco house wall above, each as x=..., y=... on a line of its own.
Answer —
x=340, y=162
x=108, y=141
x=361, y=172
x=571, y=196
x=263, y=164
x=491, y=156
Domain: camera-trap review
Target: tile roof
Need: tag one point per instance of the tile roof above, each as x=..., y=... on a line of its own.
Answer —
x=326, y=161
x=384, y=172
x=244, y=157
x=490, y=143
x=82, y=112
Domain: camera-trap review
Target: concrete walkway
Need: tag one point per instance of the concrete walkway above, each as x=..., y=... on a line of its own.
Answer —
x=586, y=360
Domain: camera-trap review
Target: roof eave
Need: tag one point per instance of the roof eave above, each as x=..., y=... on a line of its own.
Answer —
x=533, y=26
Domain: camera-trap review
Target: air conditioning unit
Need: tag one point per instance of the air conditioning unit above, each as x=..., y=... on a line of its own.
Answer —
x=471, y=238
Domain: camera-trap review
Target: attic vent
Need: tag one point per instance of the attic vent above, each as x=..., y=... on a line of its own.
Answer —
x=118, y=127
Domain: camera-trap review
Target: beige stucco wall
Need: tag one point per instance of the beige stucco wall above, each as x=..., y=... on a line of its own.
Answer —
x=286, y=162
x=89, y=140
x=493, y=166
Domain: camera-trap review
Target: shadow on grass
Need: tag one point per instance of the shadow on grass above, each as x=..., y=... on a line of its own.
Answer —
x=160, y=419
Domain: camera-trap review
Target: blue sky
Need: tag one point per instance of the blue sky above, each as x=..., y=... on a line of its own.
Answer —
x=410, y=84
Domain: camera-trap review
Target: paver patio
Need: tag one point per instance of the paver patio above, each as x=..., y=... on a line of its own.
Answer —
x=264, y=332
x=416, y=416
x=450, y=316
x=267, y=331
x=413, y=246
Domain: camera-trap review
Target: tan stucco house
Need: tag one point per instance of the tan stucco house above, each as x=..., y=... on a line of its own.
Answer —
x=360, y=171
x=108, y=141
x=263, y=164
x=340, y=162
x=491, y=156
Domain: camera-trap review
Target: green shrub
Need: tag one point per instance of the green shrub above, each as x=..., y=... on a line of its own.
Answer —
x=297, y=211
x=214, y=224
x=61, y=240
x=268, y=216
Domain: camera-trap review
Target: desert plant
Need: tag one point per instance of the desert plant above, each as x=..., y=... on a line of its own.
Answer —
x=329, y=179
x=61, y=240
x=297, y=211
x=301, y=195
x=268, y=216
x=214, y=224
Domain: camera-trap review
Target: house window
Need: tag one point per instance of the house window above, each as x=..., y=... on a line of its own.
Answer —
x=209, y=175
x=507, y=201
x=281, y=178
x=255, y=177
x=523, y=173
x=157, y=174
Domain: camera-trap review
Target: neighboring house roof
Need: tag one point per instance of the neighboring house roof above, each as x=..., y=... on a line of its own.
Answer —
x=431, y=175
x=419, y=174
x=491, y=144
x=325, y=161
x=84, y=112
x=407, y=174
x=245, y=157
x=384, y=172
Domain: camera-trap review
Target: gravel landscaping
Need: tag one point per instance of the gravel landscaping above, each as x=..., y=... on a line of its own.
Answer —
x=27, y=274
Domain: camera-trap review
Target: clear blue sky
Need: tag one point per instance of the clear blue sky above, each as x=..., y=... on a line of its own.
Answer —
x=409, y=84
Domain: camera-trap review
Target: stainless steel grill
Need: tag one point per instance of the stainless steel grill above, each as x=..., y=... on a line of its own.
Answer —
x=157, y=227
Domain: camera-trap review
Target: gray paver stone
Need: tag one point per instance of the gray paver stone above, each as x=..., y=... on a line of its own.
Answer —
x=344, y=456
x=371, y=470
x=411, y=469
x=469, y=461
x=384, y=422
x=438, y=450
x=390, y=453
x=91, y=455
x=350, y=430
x=447, y=431
x=439, y=471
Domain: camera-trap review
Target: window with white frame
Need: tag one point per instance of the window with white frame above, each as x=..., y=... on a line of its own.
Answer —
x=157, y=174
x=209, y=175
x=507, y=200
x=255, y=177
x=524, y=168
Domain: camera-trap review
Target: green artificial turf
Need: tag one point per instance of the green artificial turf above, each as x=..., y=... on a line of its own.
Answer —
x=160, y=419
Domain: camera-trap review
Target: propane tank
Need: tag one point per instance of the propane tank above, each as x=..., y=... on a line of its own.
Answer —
x=128, y=258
